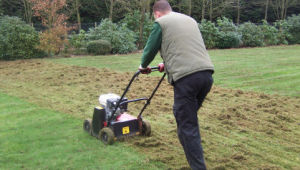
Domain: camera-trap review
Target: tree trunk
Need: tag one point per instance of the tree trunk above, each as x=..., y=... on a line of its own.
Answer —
x=148, y=6
x=27, y=11
x=77, y=5
x=287, y=4
x=51, y=15
x=210, y=9
x=111, y=9
x=274, y=5
x=143, y=4
x=189, y=7
x=238, y=12
x=282, y=9
x=203, y=10
x=266, y=10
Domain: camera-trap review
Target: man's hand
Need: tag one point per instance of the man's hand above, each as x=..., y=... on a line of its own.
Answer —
x=161, y=67
x=146, y=70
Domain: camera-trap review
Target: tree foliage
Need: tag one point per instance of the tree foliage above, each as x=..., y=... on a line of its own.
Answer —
x=94, y=10
x=132, y=20
x=1, y=8
x=17, y=39
x=49, y=11
x=12, y=8
x=223, y=23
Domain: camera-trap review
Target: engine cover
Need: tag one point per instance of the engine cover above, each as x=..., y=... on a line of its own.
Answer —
x=109, y=102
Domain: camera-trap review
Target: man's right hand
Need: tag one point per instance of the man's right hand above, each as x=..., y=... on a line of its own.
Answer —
x=161, y=67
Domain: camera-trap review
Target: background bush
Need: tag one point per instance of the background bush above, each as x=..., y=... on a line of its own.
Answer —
x=53, y=40
x=121, y=38
x=228, y=40
x=78, y=42
x=209, y=33
x=228, y=36
x=283, y=33
x=293, y=28
x=270, y=34
x=226, y=25
x=99, y=47
x=17, y=39
x=252, y=35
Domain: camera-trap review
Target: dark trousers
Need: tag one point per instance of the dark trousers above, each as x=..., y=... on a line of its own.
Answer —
x=189, y=94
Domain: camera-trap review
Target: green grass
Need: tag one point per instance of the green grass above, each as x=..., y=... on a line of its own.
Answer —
x=270, y=69
x=240, y=130
x=122, y=63
x=273, y=70
x=36, y=138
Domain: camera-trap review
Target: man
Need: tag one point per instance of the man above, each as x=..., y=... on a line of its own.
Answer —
x=189, y=70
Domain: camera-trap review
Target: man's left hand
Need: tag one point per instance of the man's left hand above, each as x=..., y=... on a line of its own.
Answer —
x=146, y=70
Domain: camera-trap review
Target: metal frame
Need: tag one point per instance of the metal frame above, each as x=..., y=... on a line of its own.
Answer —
x=127, y=89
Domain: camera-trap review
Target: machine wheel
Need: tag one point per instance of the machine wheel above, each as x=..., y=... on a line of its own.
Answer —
x=146, y=128
x=87, y=125
x=107, y=136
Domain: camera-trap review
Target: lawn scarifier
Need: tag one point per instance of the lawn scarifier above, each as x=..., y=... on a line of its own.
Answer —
x=111, y=120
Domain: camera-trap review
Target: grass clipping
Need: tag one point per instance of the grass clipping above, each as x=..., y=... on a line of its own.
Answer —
x=239, y=129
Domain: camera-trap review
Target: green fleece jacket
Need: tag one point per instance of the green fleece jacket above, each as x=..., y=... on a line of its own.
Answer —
x=153, y=45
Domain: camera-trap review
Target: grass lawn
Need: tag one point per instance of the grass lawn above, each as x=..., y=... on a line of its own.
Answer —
x=273, y=70
x=41, y=127
x=270, y=69
x=36, y=138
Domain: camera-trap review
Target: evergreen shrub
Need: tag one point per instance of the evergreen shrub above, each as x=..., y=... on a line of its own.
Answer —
x=99, y=47
x=283, y=33
x=293, y=28
x=78, y=41
x=228, y=40
x=252, y=35
x=209, y=33
x=270, y=33
x=121, y=38
x=17, y=39
x=226, y=25
x=228, y=36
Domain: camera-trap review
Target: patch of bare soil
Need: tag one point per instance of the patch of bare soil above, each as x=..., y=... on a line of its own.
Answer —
x=231, y=121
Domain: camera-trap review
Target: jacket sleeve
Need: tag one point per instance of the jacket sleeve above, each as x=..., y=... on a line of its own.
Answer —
x=153, y=45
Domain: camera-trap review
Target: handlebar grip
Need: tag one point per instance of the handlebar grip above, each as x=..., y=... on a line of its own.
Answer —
x=154, y=68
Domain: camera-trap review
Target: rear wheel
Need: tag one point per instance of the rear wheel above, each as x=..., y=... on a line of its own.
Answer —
x=87, y=125
x=107, y=136
x=146, y=128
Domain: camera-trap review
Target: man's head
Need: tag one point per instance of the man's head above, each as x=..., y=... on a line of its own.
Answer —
x=161, y=8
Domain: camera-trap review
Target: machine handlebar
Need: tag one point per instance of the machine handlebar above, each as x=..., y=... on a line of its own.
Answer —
x=151, y=68
x=128, y=86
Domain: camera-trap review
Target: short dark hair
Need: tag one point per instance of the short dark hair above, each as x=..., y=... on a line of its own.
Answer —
x=162, y=6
